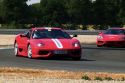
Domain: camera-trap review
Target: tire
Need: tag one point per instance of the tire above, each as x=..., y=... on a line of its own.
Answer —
x=76, y=58
x=29, y=52
x=99, y=45
x=16, y=49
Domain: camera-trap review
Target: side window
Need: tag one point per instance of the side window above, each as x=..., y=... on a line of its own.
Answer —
x=29, y=33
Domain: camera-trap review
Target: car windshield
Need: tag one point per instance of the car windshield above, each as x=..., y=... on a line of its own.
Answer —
x=53, y=33
x=115, y=31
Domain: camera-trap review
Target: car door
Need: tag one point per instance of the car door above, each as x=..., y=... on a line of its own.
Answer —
x=24, y=40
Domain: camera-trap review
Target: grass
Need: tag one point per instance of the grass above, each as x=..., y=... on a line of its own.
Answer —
x=108, y=78
x=98, y=78
x=36, y=73
x=85, y=77
x=123, y=79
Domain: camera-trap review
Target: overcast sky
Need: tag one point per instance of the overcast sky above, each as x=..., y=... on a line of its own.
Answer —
x=32, y=1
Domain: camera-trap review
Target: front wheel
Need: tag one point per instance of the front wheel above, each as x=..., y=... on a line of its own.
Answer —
x=29, y=52
x=76, y=58
x=99, y=45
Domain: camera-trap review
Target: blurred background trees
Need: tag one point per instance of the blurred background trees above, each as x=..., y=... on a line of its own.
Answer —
x=69, y=14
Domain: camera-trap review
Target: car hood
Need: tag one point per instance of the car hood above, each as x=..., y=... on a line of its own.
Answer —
x=57, y=43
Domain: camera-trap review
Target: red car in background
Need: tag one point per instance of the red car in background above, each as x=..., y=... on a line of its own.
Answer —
x=111, y=37
x=47, y=42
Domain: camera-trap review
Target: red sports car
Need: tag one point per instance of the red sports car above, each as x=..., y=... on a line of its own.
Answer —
x=47, y=42
x=111, y=37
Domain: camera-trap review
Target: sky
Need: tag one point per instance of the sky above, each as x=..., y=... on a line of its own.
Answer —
x=32, y=1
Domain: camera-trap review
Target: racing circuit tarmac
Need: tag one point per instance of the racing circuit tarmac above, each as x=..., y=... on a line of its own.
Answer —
x=102, y=59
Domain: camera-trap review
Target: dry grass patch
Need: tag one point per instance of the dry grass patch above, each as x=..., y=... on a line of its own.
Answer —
x=36, y=73
x=19, y=75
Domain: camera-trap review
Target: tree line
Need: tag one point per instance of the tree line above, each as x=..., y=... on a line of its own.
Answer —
x=70, y=14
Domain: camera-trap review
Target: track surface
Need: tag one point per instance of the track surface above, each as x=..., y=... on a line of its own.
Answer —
x=93, y=59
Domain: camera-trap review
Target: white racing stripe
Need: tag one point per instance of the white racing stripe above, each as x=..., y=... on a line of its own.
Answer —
x=58, y=43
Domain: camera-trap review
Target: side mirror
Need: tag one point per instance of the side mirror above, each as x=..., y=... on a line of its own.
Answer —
x=74, y=35
x=23, y=35
x=100, y=32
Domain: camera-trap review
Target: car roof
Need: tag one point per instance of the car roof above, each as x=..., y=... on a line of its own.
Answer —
x=41, y=28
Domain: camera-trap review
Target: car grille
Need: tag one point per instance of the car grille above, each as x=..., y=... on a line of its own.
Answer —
x=43, y=52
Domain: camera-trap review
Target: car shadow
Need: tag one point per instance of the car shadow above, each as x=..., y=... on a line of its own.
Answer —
x=63, y=59
x=105, y=48
x=88, y=60
x=57, y=59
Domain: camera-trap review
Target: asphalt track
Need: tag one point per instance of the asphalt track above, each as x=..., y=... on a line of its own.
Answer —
x=93, y=59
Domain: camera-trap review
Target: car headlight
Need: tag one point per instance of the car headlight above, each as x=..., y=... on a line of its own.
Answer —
x=76, y=44
x=99, y=37
x=40, y=44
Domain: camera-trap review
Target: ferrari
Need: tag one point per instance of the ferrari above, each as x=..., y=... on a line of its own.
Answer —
x=111, y=37
x=47, y=42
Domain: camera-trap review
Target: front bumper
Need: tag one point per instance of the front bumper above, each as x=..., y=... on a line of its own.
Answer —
x=113, y=43
x=38, y=52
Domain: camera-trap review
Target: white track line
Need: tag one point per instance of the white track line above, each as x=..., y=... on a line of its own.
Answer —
x=5, y=48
